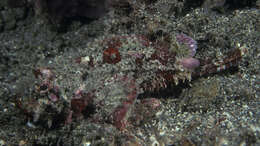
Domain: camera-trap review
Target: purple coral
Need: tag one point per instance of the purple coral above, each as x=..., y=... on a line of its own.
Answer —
x=190, y=42
x=190, y=63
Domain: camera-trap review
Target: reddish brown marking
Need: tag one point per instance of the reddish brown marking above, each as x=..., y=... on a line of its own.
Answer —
x=144, y=40
x=119, y=116
x=77, y=106
x=111, y=56
x=163, y=54
x=37, y=73
x=167, y=75
x=78, y=60
x=80, y=101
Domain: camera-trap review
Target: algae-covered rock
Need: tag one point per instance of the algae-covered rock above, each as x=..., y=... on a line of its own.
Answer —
x=9, y=19
x=201, y=95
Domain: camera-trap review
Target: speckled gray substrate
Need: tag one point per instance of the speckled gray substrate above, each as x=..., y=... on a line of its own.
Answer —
x=222, y=109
